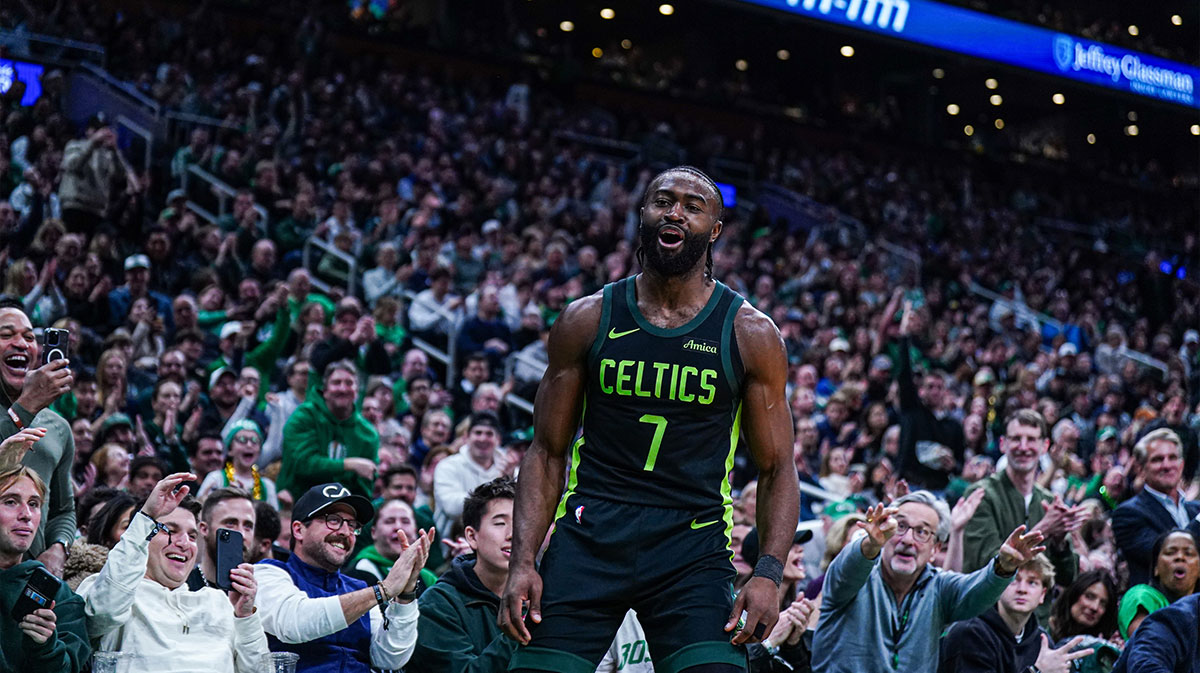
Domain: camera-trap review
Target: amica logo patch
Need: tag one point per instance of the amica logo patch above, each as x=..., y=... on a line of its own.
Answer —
x=700, y=346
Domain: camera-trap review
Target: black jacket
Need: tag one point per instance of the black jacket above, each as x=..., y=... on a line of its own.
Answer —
x=918, y=424
x=984, y=644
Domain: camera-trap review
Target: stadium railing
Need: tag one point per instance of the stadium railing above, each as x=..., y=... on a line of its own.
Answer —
x=329, y=249
x=218, y=189
x=48, y=48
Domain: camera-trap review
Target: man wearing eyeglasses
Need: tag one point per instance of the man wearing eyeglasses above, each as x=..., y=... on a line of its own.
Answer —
x=885, y=605
x=333, y=621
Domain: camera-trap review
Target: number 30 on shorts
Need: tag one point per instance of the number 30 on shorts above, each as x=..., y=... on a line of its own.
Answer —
x=660, y=427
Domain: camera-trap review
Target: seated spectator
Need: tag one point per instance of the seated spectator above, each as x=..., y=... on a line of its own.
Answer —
x=350, y=333
x=435, y=311
x=475, y=373
x=394, y=526
x=336, y=622
x=486, y=332
x=1169, y=640
x=139, y=602
x=327, y=438
x=267, y=527
x=873, y=576
x=280, y=408
x=478, y=462
x=144, y=473
x=1007, y=638
x=53, y=638
x=105, y=528
x=1088, y=607
x=457, y=629
x=242, y=448
x=206, y=454
x=228, y=508
x=112, y=465
x=1160, y=506
x=1176, y=574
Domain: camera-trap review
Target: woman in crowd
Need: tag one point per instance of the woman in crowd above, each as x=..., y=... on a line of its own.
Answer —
x=110, y=514
x=1176, y=574
x=111, y=381
x=165, y=428
x=242, y=445
x=835, y=469
x=112, y=466
x=1087, y=608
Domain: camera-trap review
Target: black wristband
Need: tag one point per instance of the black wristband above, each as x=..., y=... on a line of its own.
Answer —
x=406, y=595
x=769, y=567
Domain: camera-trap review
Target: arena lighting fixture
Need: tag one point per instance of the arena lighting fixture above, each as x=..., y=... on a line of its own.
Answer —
x=999, y=123
x=783, y=54
x=607, y=13
x=1131, y=115
x=597, y=52
x=1091, y=138
x=626, y=44
x=1131, y=130
x=995, y=99
x=991, y=83
x=1058, y=99
x=741, y=65
x=666, y=9
x=847, y=50
x=1196, y=129
x=1133, y=30
x=1176, y=20
x=566, y=26
x=969, y=130
x=952, y=109
x=938, y=73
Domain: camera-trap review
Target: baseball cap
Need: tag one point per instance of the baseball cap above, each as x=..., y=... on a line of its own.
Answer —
x=176, y=194
x=839, y=345
x=230, y=329
x=1107, y=432
x=1066, y=349
x=116, y=420
x=750, y=544
x=323, y=496
x=137, y=262
x=376, y=382
x=490, y=226
x=1191, y=337
x=836, y=510
x=881, y=362
x=523, y=436
x=217, y=374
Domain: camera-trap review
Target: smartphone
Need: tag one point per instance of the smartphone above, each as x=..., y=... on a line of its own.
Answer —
x=56, y=345
x=38, y=593
x=229, y=556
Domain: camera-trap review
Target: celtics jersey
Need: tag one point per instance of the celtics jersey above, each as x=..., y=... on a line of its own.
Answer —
x=662, y=406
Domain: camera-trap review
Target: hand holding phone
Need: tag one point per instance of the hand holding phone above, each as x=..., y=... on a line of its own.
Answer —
x=229, y=556
x=39, y=593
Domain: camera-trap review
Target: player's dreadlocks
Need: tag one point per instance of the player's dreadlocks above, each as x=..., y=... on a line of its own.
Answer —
x=695, y=172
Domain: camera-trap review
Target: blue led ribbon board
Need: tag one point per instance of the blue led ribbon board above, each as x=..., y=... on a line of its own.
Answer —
x=988, y=37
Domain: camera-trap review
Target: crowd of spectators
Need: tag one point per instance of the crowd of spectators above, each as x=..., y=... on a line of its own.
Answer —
x=308, y=420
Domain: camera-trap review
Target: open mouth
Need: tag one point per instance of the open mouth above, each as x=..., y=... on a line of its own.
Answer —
x=17, y=363
x=177, y=558
x=507, y=551
x=340, y=544
x=670, y=236
x=1179, y=573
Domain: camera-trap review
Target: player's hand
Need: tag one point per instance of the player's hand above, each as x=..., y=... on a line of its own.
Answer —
x=524, y=587
x=760, y=599
x=1059, y=660
x=39, y=625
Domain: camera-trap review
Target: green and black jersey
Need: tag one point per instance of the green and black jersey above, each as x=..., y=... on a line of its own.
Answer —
x=662, y=406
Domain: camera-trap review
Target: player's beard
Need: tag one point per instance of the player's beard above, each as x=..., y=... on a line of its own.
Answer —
x=676, y=263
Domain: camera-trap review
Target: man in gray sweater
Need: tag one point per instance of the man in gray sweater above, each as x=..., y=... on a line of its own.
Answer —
x=885, y=606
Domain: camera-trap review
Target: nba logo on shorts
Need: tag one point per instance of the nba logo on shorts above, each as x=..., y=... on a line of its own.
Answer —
x=579, y=514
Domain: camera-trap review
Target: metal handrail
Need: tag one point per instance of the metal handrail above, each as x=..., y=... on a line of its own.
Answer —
x=223, y=191
x=907, y=254
x=145, y=135
x=67, y=43
x=451, y=338
x=329, y=249
x=123, y=87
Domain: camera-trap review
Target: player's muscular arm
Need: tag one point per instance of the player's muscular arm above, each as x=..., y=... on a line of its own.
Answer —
x=555, y=420
x=767, y=427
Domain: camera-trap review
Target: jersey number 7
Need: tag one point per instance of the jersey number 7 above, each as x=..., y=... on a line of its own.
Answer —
x=660, y=427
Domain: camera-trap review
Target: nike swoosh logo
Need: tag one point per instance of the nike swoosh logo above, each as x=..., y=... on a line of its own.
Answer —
x=614, y=334
x=698, y=526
